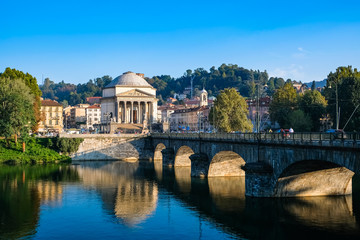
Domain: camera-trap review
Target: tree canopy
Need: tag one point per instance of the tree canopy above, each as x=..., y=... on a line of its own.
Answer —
x=71, y=94
x=16, y=108
x=230, y=112
x=313, y=104
x=346, y=81
x=31, y=83
x=284, y=102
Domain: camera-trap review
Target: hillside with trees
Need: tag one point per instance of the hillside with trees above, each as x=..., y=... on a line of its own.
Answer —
x=214, y=80
x=71, y=94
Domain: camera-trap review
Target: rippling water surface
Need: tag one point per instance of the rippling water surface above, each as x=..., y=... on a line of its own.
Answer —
x=142, y=200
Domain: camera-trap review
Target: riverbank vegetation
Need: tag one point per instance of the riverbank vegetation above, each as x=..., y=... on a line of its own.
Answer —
x=38, y=150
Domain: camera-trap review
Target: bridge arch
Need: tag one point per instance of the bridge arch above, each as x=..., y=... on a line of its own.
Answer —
x=313, y=178
x=158, y=156
x=182, y=157
x=226, y=163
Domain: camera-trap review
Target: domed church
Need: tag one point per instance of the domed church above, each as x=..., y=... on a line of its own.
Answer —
x=128, y=102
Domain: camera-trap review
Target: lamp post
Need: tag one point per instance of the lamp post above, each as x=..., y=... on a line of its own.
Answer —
x=258, y=109
x=337, y=104
x=106, y=115
x=337, y=107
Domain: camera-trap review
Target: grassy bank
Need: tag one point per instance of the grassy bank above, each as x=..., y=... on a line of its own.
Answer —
x=37, y=151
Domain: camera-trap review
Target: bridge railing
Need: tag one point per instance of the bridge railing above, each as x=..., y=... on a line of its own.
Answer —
x=275, y=137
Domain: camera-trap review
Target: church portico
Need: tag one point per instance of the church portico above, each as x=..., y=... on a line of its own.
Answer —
x=132, y=111
x=130, y=100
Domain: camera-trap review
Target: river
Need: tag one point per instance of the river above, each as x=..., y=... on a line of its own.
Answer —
x=143, y=200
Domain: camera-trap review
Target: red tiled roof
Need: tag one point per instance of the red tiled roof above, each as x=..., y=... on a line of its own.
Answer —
x=48, y=102
x=94, y=106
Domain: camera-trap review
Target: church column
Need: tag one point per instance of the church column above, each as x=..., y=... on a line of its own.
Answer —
x=140, y=120
x=120, y=112
x=127, y=113
x=138, y=113
x=117, y=110
x=150, y=112
x=124, y=113
x=142, y=116
x=132, y=112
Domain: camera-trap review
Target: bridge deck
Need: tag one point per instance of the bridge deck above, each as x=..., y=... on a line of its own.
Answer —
x=303, y=139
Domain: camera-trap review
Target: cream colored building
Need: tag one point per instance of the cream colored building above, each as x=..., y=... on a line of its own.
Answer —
x=93, y=116
x=52, y=117
x=192, y=119
x=78, y=115
x=129, y=99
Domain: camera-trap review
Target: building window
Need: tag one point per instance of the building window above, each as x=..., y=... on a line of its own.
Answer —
x=57, y=122
x=50, y=122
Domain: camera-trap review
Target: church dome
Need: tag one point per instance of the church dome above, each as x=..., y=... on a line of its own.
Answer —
x=129, y=79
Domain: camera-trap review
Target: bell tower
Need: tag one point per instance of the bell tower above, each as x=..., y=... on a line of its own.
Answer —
x=203, y=98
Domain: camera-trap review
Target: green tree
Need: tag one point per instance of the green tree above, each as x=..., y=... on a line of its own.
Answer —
x=313, y=86
x=30, y=82
x=271, y=86
x=284, y=102
x=313, y=104
x=230, y=112
x=16, y=107
x=279, y=82
x=300, y=121
x=346, y=82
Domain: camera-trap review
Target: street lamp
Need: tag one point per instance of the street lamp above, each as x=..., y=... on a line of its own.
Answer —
x=258, y=109
x=107, y=115
x=337, y=104
x=257, y=119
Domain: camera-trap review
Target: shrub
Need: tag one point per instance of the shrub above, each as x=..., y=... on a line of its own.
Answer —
x=68, y=145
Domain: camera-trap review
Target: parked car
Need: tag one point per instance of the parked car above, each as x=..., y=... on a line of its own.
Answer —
x=330, y=130
x=339, y=134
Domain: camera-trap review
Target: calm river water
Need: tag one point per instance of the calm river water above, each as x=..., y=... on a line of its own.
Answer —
x=120, y=200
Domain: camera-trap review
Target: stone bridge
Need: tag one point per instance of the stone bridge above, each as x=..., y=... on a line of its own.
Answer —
x=273, y=165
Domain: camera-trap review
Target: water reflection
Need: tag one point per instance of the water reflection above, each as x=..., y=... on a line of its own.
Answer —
x=22, y=191
x=183, y=179
x=143, y=193
x=158, y=167
x=324, y=212
x=228, y=193
x=221, y=200
x=135, y=198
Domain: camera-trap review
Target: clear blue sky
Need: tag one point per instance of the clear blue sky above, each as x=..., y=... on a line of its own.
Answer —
x=80, y=40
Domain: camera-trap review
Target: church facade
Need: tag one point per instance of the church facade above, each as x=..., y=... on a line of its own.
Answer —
x=128, y=99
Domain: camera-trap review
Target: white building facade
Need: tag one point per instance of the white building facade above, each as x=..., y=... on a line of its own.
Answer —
x=93, y=116
x=129, y=99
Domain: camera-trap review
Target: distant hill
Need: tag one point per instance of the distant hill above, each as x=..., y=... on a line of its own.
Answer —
x=317, y=83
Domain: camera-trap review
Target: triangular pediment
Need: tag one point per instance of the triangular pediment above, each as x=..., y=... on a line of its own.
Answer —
x=134, y=92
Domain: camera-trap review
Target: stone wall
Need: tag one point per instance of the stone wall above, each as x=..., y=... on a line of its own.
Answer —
x=118, y=147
